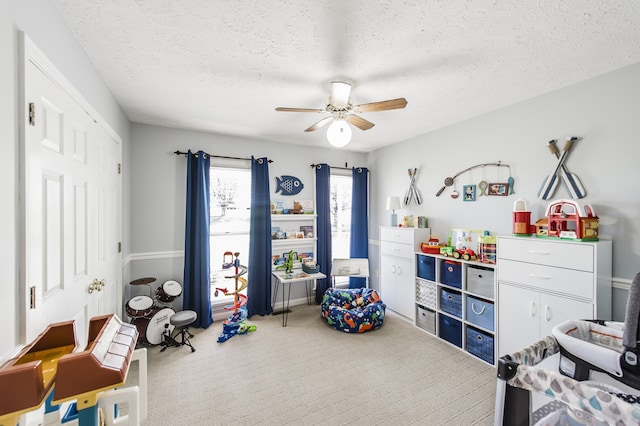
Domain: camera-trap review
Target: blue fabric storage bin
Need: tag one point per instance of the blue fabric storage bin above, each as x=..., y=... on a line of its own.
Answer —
x=451, y=273
x=480, y=344
x=451, y=302
x=480, y=312
x=450, y=330
x=427, y=267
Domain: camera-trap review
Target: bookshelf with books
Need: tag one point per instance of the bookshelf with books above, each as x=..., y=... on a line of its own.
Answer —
x=293, y=233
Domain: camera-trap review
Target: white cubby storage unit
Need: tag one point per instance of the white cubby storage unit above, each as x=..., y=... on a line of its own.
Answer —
x=455, y=301
x=291, y=223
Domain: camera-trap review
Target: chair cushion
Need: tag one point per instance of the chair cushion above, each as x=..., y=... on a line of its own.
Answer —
x=353, y=310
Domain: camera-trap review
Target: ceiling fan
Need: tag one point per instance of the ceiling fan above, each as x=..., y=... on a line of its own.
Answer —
x=341, y=111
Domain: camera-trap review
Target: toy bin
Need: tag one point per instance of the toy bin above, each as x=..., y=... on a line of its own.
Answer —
x=480, y=280
x=451, y=273
x=450, y=329
x=426, y=293
x=427, y=267
x=480, y=313
x=451, y=302
x=480, y=344
x=426, y=319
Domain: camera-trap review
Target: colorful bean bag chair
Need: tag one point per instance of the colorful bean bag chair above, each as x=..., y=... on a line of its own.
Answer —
x=353, y=310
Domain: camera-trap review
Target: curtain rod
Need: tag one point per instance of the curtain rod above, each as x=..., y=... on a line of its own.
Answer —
x=342, y=168
x=221, y=156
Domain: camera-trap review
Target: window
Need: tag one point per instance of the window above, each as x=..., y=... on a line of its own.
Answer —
x=340, y=198
x=230, y=212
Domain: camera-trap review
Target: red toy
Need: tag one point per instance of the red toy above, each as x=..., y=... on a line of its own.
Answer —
x=432, y=246
x=466, y=254
x=566, y=219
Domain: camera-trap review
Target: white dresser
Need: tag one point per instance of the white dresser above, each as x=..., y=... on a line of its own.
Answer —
x=398, y=247
x=543, y=282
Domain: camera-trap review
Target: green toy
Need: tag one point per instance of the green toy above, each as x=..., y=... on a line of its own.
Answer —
x=288, y=264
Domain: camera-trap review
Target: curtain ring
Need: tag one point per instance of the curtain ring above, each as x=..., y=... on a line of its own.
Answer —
x=260, y=160
x=360, y=170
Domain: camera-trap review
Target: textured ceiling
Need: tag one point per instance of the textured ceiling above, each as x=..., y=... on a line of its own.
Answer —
x=223, y=66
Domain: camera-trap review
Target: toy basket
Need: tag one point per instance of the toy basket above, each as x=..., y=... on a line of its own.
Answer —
x=310, y=269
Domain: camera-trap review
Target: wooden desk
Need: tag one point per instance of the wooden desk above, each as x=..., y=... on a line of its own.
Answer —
x=297, y=276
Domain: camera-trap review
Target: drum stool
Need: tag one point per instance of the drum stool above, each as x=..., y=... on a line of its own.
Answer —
x=183, y=320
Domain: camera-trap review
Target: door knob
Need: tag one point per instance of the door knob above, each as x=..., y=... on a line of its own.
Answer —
x=96, y=285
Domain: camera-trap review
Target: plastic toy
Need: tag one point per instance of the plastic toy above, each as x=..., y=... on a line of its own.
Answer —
x=466, y=254
x=432, y=246
x=288, y=263
x=227, y=264
x=447, y=251
x=567, y=220
x=235, y=324
x=521, y=218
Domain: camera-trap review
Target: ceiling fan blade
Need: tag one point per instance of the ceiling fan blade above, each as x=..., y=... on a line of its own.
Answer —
x=319, y=124
x=382, y=105
x=299, y=109
x=340, y=92
x=360, y=122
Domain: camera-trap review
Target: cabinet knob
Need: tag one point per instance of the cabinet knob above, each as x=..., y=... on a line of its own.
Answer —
x=532, y=309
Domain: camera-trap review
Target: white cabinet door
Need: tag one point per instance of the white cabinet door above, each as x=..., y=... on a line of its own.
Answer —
x=387, y=282
x=405, y=288
x=518, y=313
x=556, y=310
x=525, y=316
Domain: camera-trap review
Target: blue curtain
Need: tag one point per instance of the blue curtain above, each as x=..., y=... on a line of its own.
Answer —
x=323, y=233
x=196, y=280
x=259, y=288
x=359, y=244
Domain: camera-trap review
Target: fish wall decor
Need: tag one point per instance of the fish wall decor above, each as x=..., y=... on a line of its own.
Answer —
x=288, y=185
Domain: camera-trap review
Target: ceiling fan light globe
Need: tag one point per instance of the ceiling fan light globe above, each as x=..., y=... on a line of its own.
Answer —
x=339, y=133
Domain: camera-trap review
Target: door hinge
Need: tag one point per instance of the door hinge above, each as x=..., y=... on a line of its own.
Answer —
x=32, y=114
x=119, y=168
x=119, y=247
x=32, y=297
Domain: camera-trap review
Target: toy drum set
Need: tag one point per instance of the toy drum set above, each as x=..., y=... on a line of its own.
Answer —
x=151, y=318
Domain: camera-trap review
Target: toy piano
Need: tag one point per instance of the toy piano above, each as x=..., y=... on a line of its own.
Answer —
x=50, y=370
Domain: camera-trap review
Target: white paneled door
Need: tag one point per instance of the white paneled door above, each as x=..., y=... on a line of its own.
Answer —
x=72, y=205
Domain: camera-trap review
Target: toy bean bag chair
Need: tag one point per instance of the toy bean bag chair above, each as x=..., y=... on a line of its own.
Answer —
x=353, y=310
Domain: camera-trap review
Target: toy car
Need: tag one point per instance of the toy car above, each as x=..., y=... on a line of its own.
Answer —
x=447, y=251
x=466, y=254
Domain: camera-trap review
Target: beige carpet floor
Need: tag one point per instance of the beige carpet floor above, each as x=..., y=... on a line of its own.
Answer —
x=310, y=374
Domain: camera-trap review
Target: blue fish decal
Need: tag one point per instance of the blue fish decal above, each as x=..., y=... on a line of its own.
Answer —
x=289, y=185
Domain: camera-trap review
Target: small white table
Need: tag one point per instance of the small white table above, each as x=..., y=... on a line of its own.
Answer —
x=297, y=276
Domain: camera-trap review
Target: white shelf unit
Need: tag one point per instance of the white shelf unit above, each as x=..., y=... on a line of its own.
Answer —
x=292, y=222
x=455, y=301
x=544, y=282
x=397, y=266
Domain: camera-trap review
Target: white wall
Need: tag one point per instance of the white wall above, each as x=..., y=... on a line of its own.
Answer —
x=40, y=20
x=603, y=111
